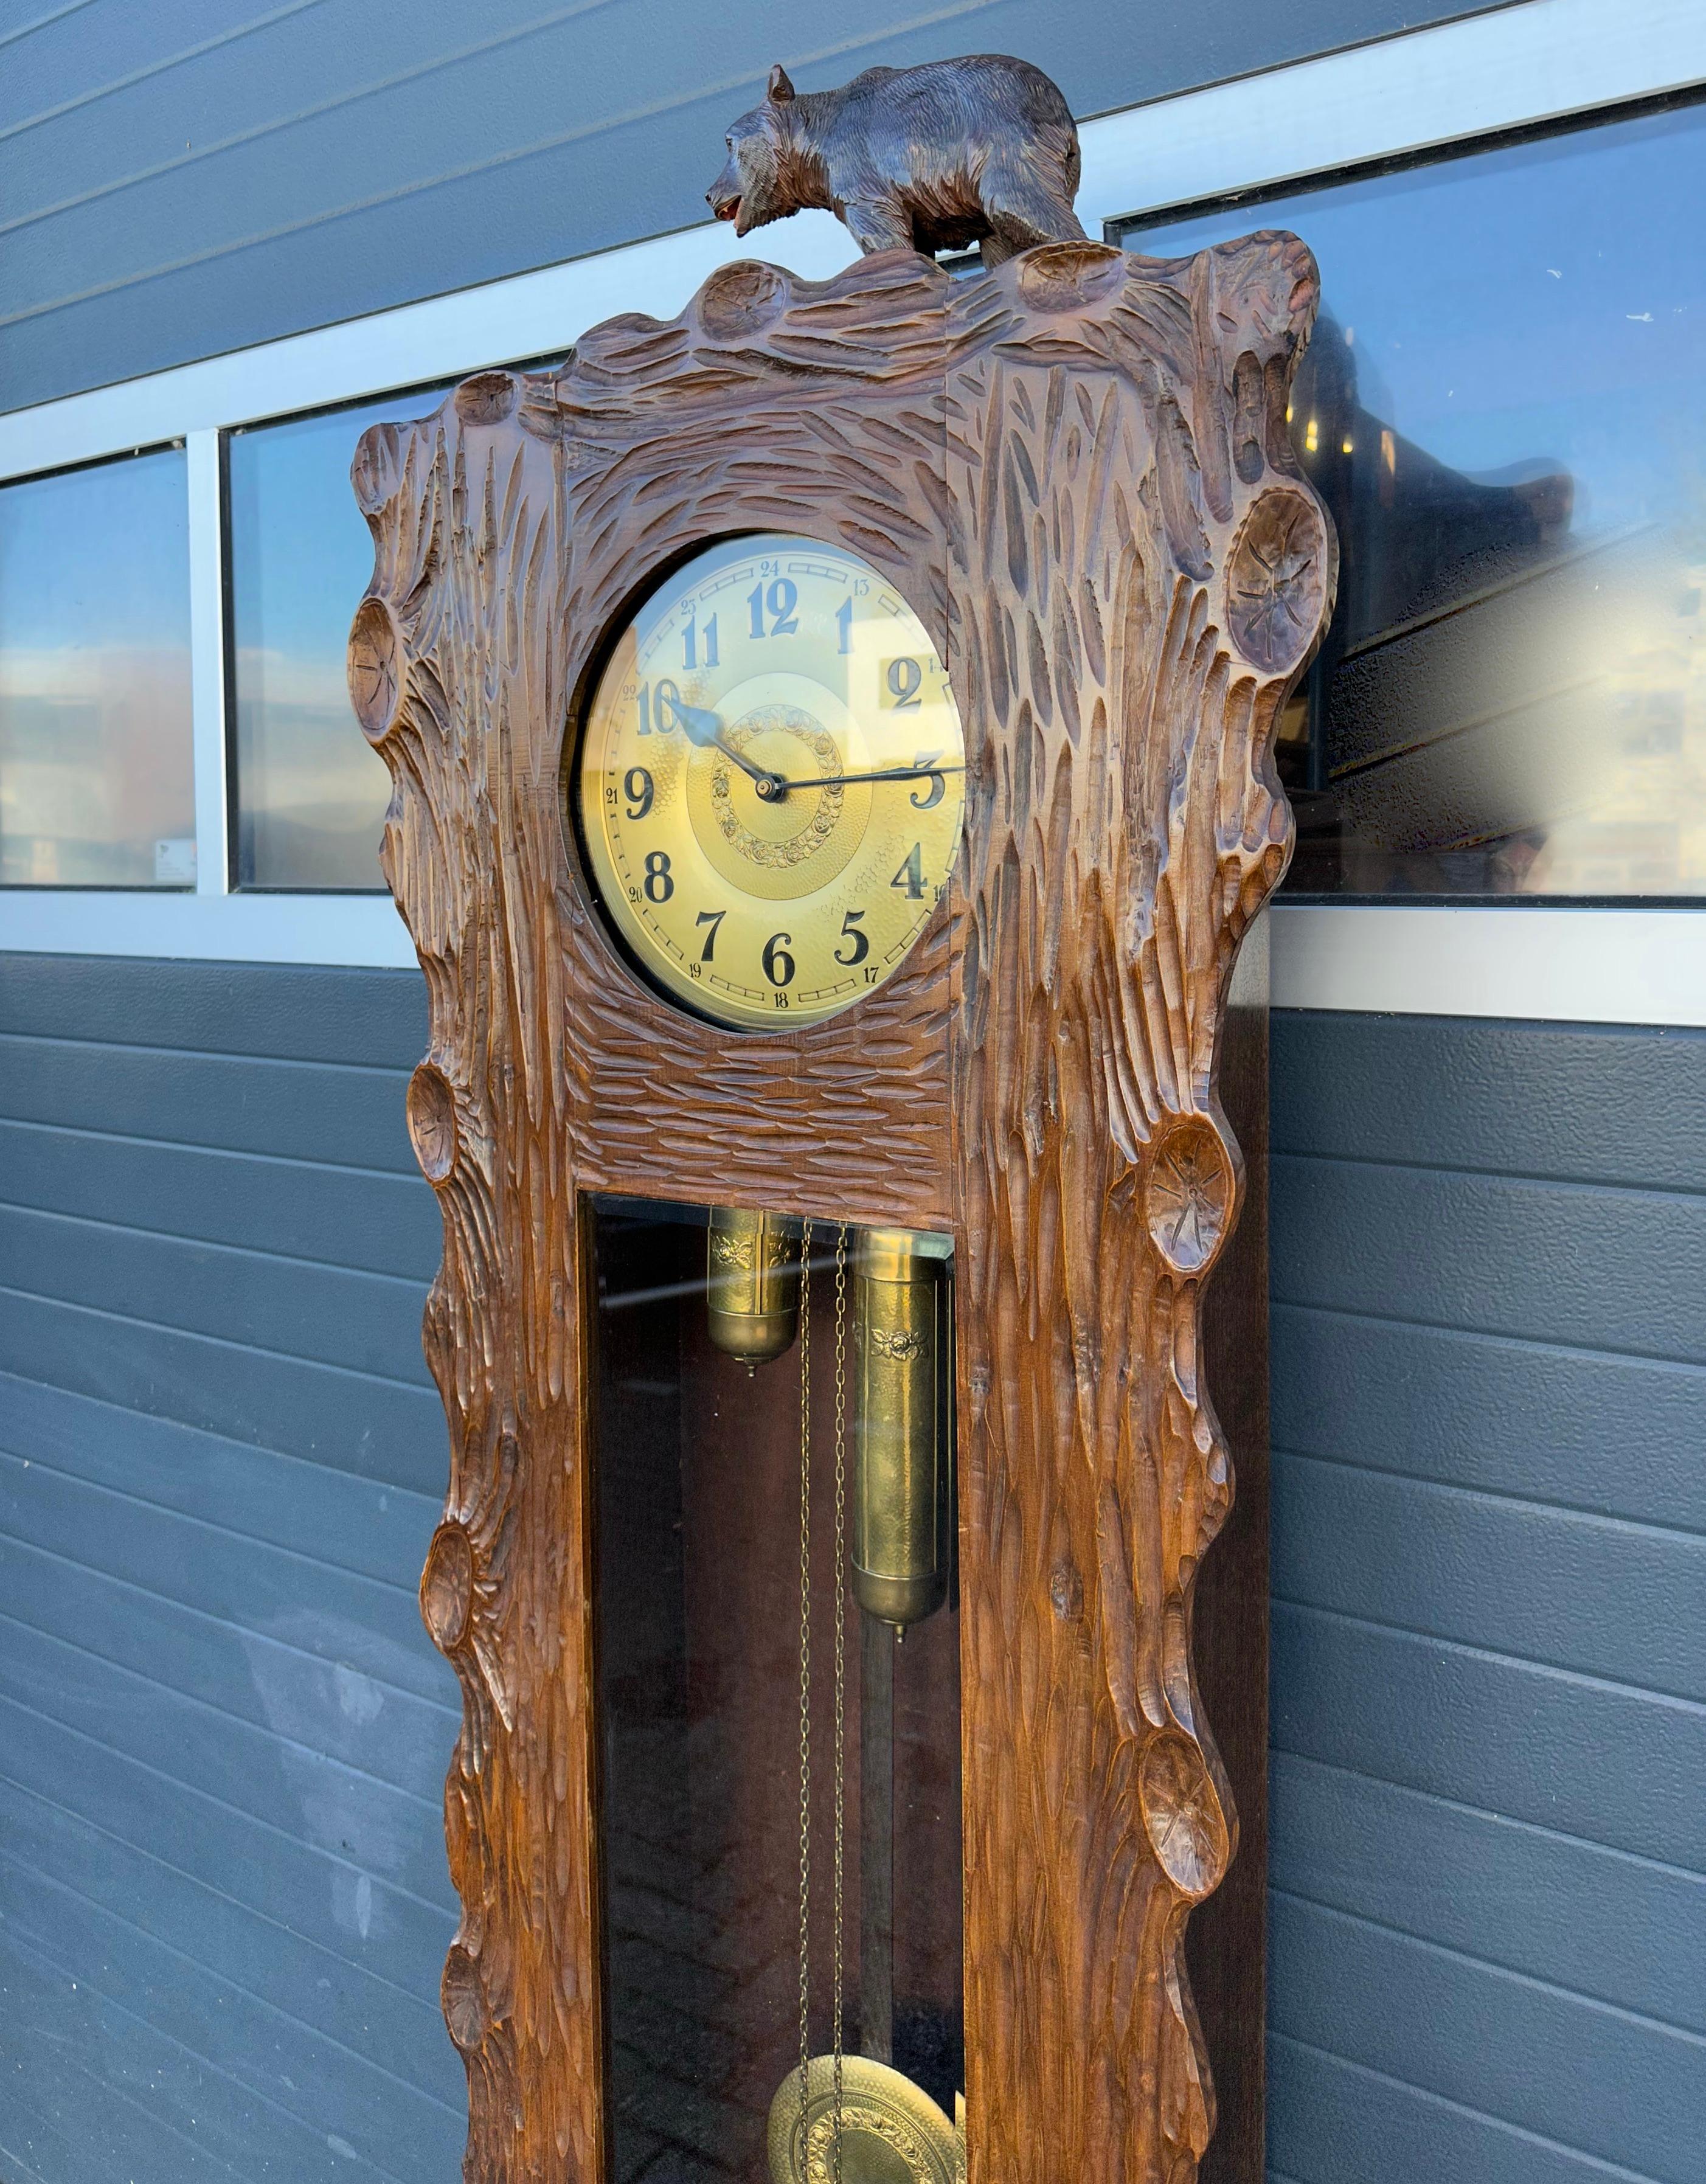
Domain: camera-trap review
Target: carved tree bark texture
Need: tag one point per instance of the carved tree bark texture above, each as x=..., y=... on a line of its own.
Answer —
x=1132, y=588
x=1077, y=469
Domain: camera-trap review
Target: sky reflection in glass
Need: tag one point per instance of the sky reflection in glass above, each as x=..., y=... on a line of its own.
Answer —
x=310, y=794
x=1501, y=407
x=97, y=766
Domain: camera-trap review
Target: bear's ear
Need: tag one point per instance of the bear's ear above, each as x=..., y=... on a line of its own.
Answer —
x=780, y=90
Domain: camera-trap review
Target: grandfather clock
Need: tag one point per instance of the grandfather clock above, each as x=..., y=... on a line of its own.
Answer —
x=831, y=734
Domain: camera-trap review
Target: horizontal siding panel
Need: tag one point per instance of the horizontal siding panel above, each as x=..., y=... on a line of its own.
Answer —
x=278, y=1011
x=235, y=2132
x=1619, y=1930
x=383, y=1224
x=1612, y=1600
x=1586, y=1103
x=368, y=1631
x=291, y=177
x=369, y=2016
x=380, y=1430
x=1595, y=1761
x=328, y=1315
x=383, y=1832
x=354, y=1717
x=310, y=2092
x=1609, y=2084
x=1618, y=1435
x=333, y=1113
x=1551, y=1262
x=332, y=1517
x=83, y=2086
x=31, y=2152
x=319, y=1896
x=1330, y=2122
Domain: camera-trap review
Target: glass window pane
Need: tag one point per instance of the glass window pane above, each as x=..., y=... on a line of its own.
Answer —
x=310, y=794
x=1501, y=405
x=702, y=1322
x=97, y=767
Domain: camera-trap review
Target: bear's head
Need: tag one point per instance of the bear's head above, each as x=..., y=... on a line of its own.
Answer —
x=753, y=187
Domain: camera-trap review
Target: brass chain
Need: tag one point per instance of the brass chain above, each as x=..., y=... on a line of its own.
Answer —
x=840, y=1660
x=805, y=1673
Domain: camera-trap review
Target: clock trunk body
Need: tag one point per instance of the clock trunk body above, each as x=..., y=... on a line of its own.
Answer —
x=1076, y=472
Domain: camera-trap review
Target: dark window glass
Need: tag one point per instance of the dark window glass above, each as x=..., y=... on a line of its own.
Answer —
x=310, y=794
x=1501, y=407
x=96, y=764
x=697, y=1456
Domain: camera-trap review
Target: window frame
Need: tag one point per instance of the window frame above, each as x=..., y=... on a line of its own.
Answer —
x=1446, y=88
x=1580, y=124
x=107, y=460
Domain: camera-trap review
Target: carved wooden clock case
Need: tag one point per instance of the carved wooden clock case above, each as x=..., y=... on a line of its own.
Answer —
x=1074, y=472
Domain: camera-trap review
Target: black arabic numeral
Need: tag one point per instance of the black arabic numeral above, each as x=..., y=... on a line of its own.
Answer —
x=637, y=786
x=667, y=698
x=659, y=886
x=938, y=787
x=905, y=678
x=783, y=597
x=713, y=919
x=861, y=941
x=778, y=964
x=910, y=875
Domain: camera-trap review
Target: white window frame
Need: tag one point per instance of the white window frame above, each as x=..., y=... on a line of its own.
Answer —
x=1536, y=61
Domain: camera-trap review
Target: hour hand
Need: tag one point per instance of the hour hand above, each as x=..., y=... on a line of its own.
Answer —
x=704, y=728
x=697, y=725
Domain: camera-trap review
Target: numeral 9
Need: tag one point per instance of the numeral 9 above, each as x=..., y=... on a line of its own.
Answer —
x=637, y=786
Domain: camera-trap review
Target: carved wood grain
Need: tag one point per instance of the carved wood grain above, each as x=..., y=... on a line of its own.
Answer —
x=1076, y=470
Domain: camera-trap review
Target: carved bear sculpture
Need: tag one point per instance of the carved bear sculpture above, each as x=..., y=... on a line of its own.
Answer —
x=979, y=150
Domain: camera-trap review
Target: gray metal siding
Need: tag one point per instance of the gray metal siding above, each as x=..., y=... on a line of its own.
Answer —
x=223, y=1904
x=1489, y=1769
x=193, y=176
x=223, y=1732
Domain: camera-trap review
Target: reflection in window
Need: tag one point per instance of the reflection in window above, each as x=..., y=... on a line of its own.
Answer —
x=1501, y=406
x=310, y=794
x=97, y=767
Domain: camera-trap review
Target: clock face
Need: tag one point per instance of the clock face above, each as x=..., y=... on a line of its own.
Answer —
x=770, y=781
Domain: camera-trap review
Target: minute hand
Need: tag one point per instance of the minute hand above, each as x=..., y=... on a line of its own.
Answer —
x=882, y=773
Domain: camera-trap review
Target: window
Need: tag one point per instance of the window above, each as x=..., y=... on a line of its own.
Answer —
x=97, y=767
x=1501, y=405
x=310, y=794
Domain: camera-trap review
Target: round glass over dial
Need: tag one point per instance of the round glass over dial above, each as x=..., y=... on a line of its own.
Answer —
x=770, y=781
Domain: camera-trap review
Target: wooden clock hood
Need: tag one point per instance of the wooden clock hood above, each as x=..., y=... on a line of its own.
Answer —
x=1077, y=469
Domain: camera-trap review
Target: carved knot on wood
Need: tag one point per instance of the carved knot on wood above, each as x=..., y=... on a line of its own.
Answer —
x=1077, y=469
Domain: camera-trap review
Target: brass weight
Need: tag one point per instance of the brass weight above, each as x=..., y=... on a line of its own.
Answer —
x=902, y=1438
x=752, y=1284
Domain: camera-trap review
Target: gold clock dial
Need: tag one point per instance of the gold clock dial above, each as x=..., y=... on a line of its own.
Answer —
x=770, y=781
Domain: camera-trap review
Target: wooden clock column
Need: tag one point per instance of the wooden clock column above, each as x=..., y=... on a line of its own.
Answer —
x=1077, y=469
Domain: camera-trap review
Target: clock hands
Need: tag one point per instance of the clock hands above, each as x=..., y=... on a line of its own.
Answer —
x=704, y=729
x=880, y=773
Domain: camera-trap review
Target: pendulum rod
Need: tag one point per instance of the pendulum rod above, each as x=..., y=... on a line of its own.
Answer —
x=804, y=1671
x=877, y=1838
x=840, y=1671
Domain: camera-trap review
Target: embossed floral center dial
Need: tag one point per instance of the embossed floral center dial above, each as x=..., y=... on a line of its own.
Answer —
x=770, y=784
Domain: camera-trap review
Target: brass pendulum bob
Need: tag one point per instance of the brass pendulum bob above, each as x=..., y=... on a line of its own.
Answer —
x=900, y=1438
x=752, y=1284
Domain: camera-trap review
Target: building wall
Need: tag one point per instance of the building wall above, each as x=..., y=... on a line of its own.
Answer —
x=223, y=1905
x=1488, y=1861
x=195, y=176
